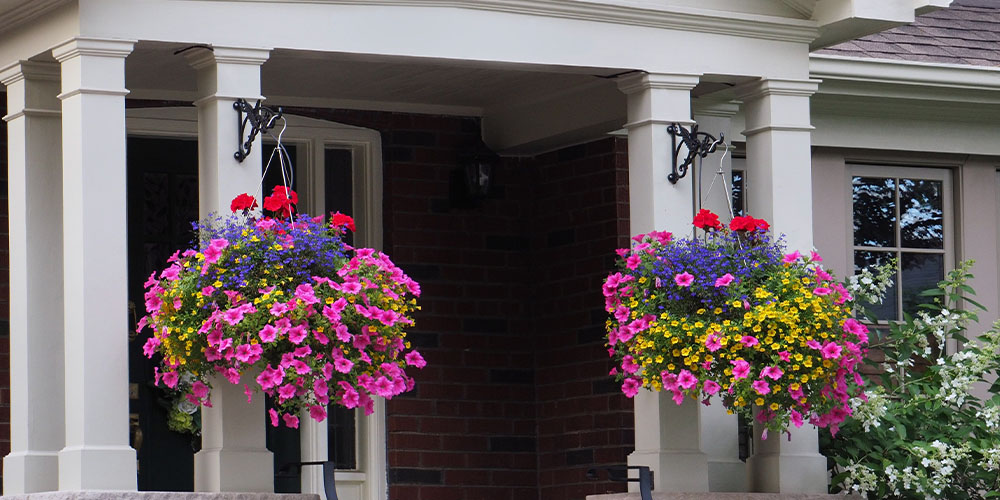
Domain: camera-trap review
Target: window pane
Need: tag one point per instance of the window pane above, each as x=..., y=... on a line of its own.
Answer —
x=920, y=272
x=342, y=430
x=920, y=217
x=272, y=172
x=337, y=179
x=739, y=202
x=874, y=212
x=887, y=309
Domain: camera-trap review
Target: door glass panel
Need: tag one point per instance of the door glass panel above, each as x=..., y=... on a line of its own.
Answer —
x=739, y=191
x=342, y=442
x=921, y=271
x=920, y=216
x=273, y=175
x=874, y=212
x=887, y=309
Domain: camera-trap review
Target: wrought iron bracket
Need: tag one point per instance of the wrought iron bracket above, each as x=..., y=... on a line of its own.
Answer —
x=698, y=144
x=619, y=473
x=260, y=118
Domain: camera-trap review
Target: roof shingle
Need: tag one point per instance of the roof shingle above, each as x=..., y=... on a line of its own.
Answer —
x=968, y=32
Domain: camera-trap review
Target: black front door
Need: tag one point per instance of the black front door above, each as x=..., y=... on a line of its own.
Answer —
x=162, y=202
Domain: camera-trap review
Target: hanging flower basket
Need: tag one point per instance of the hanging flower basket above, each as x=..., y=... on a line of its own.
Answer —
x=283, y=298
x=732, y=315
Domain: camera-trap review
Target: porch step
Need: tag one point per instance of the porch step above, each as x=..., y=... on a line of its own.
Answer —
x=725, y=496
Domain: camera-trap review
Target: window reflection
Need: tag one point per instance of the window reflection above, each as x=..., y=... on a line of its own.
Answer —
x=874, y=212
x=920, y=217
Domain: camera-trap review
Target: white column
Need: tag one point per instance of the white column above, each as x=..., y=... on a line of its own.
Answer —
x=667, y=436
x=314, y=443
x=719, y=429
x=36, y=299
x=779, y=182
x=234, y=456
x=96, y=455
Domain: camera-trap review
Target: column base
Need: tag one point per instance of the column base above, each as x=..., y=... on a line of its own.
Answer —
x=30, y=472
x=727, y=475
x=787, y=473
x=218, y=470
x=97, y=468
x=674, y=470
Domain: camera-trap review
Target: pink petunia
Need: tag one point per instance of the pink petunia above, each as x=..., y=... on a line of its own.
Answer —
x=796, y=418
x=686, y=379
x=792, y=257
x=199, y=389
x=343, y=365
x=274, y=417
x=741, y=369
x=298, y=333
x=629, y=365
x=683, y=279
x=712, y=342
x=669, y=380
x=710, y=387
x=233, y=316
x=291, y=420
x=814, y=345
x=761, y=387
x=813, y=256
x=149, y=348
x=317, y=412
x=631, y=387
x=286, y=391
x=678, y=397
x=170, y=379
x=821, y=290
x=831, y=351
x=724, y=280
x=621, y=313
x=633, y=261
x=268, y=333
x=749, y=340
x=785, y=356
x=772, y=372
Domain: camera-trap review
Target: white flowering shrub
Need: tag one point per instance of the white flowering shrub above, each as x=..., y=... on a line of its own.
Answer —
x=919, y=432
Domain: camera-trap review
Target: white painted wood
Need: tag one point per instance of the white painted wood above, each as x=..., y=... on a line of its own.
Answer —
x=667, y=436
x=780, y=191
x=233, y=455
x=719, y=436
x=36, y=290
x=96, y=455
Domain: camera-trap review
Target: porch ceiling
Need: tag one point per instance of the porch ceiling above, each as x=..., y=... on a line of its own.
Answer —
x=524, y=106
x=158, y=71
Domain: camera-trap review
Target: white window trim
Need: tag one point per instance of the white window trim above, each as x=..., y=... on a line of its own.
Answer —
x=312, y=137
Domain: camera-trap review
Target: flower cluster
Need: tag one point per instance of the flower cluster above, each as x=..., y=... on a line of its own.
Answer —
x=733, y=315
x=312, y=320
x=929, y=428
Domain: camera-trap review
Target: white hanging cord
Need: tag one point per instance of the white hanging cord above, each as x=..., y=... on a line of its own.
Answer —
x=721, y=174
x=284, y=164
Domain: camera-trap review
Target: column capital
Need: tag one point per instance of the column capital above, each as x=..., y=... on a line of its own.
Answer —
x=208, y=56
x=101, y=47
x=776, y=86
x=716, y=108
x=28, y=70
x=639, y=81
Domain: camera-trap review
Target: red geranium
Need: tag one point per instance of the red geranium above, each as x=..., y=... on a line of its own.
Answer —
x=281, y=201
x=707, y=220
x=340, y=220
x=747, y=223
x=243, y=202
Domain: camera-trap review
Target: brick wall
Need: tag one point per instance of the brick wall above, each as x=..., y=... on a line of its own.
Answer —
x=581, y=217
x=4, y=292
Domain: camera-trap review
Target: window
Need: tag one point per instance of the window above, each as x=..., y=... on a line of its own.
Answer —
x=903, y=214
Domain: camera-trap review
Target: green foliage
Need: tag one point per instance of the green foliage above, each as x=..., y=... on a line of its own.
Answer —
x=922, y=433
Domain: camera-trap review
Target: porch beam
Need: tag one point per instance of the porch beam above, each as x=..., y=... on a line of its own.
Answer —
x=234, y=456
x=96, y=455
x=667, y=436
x=779, y=189
x=36, y=277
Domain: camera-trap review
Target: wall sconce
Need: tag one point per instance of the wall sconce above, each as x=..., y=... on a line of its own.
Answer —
x=471, y=182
